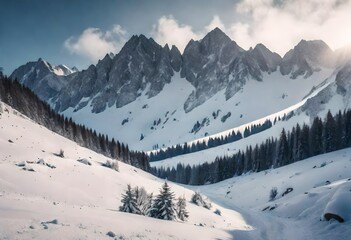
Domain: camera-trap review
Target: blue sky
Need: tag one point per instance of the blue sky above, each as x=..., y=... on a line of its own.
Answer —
x=79, y=32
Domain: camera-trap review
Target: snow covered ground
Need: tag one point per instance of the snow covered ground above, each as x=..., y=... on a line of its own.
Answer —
x=320, y=184
x=78, y=201
x=83, y=199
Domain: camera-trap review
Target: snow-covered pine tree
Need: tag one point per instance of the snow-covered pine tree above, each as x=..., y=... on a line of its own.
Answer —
x=163, y=206
x=182, y=213
x=129, y=202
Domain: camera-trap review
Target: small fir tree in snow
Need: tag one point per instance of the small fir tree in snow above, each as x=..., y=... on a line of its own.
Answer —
x=182, y=213
x=163, y=206
x=129, y=202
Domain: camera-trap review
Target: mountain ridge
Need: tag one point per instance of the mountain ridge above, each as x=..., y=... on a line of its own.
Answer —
x=213, y=84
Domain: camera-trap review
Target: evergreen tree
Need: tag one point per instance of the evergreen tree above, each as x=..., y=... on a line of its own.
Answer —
x=182, y=213
x=283, y=153
x=329, y=133
x=316, y=132
x=129, y=202
x=163, y=206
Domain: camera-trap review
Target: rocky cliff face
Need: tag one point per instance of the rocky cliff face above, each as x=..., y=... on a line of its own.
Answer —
x=216, y=63
x=207, y=65
x=141, y=65
x=44, y=79
x=307, y=57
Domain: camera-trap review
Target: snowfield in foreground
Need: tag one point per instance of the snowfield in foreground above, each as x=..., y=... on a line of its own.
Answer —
x=62, y=198
x=318, y=185
x=78, y=201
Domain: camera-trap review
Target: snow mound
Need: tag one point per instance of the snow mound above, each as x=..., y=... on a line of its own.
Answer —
x=84, y=161
x=339, y=206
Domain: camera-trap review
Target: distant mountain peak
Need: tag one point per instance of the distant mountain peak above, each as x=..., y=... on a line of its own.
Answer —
x=217, y=32
x=217, y=37
x=307, y=57
x=43, y=78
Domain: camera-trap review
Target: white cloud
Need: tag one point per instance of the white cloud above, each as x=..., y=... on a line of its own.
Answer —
x=94, y=43
x=168, y=30
x=281, y=24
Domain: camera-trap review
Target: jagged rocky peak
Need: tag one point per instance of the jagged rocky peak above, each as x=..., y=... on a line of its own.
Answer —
x=207, y=64
x=141, y=65
x=217, y=41
x=215, y=48
x=43, y=78
x=176, y=58
x=267, y=60
x=307, y=57
x=75, y=69
x=216, y=62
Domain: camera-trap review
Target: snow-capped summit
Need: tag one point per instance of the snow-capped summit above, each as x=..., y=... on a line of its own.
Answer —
x=307, y=57
x=63, y=70
x=43, y=78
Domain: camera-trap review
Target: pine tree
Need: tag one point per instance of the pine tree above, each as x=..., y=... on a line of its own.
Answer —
x=182, y=213
x=129, y=202
x=163, y=206
x=329, y=133
x=283, y=154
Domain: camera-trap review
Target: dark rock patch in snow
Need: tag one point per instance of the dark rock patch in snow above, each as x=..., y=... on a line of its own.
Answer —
x=84, y=161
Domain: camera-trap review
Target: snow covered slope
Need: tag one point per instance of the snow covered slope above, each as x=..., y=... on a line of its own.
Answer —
x=331, y=94
x=162, y=121
x=78, y=201
x=319, y=185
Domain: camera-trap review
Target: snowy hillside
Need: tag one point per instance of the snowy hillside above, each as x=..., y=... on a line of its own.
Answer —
x=78, y=201
x=332, y=95
x=68, y=199
x=162, y=121
x=319, y=185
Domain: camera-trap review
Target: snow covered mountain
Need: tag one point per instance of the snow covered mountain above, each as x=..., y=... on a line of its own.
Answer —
x=152, y=96
x=306, y=58
x=141, y=65
x=43, y=195
x=44, y=79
